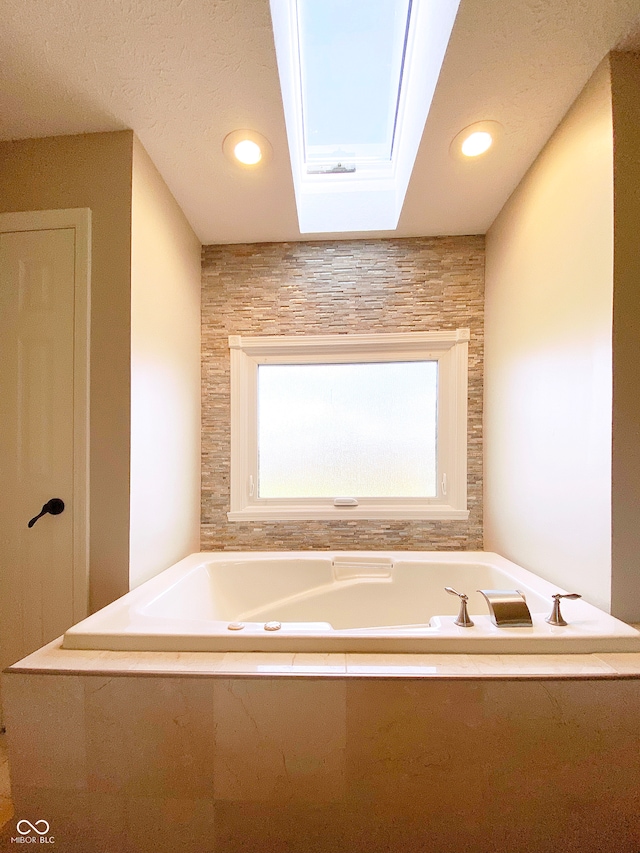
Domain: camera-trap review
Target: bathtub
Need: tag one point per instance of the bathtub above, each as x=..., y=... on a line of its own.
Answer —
x=359, y=601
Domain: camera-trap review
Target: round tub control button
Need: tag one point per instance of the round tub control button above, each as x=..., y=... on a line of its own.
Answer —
x=272, y=626
x=235, y=626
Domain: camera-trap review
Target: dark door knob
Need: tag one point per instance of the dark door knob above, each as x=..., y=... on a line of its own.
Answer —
x=55, y=506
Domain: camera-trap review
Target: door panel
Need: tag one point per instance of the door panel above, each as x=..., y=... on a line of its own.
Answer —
x=37, y=283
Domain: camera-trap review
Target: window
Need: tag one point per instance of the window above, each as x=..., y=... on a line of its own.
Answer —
x=351, y=62
x=349, y=426
x=357, y=80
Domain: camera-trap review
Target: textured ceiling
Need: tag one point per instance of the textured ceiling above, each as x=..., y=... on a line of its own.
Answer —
x=184, y=73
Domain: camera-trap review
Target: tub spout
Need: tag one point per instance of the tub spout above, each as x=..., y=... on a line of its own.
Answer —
x=508, y=608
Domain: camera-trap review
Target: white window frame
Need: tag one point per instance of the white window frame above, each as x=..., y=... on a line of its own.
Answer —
x=448, y=348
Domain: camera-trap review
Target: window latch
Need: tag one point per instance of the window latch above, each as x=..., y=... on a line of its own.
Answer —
x=345, y=502
x=444, y=484
x=251, y=486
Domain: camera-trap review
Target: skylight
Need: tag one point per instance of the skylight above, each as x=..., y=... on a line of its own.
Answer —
x=351, y=59
x=357, y=80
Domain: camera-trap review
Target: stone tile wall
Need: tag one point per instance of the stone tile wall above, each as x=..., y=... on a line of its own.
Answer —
x=419, y=284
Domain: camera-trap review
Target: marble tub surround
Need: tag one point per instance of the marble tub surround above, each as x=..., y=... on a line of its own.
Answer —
x=52, y=659
x=142, y=762
x=6, y=804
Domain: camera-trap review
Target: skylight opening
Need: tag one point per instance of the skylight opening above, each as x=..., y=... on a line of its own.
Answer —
x=351, y=61
x=357, y=80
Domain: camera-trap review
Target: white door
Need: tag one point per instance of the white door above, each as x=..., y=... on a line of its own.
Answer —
x=43, y=426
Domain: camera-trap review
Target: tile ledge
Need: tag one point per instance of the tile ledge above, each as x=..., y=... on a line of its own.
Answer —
x=53, y=660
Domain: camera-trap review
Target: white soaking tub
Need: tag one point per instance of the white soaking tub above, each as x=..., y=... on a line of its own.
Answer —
x=358, y=601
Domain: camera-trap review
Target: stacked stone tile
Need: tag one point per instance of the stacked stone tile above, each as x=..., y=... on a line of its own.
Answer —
x=337, y=287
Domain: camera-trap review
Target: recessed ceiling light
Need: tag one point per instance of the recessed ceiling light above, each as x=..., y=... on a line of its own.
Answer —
x=247, y=148
x=477, y=143
x=476, y=139
x=247, y=152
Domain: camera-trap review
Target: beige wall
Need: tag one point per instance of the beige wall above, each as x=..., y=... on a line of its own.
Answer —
x=145, y=346
x=548, y=315
x=416, y=284
x=625, y=593
x=93, y=171
x=165, y=377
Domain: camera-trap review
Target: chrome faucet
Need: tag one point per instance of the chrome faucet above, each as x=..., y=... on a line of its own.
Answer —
x=463, y=620
x=508, y=608
x=556, y=616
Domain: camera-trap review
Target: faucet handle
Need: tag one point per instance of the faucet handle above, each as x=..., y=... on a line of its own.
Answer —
x=453, y=591
x=463, y=620
x=556, y=616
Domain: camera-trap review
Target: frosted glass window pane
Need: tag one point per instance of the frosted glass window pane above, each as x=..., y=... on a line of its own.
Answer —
x=351, y=430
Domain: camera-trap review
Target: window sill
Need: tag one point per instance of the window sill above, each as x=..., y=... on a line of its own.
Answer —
x=347, y=513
